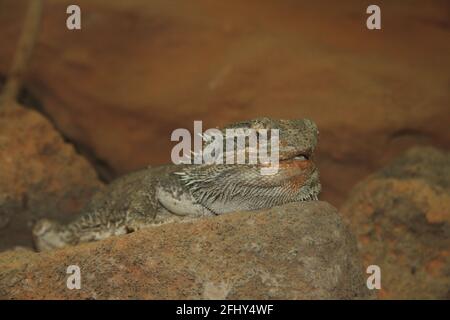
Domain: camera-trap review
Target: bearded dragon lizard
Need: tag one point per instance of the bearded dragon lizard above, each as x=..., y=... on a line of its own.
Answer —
x=173, y=192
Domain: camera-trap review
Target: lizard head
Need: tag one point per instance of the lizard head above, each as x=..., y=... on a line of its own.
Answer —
x=296, y=137
x=231, y=187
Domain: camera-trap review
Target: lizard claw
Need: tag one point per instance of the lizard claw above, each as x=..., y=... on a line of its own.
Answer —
x=46, y=235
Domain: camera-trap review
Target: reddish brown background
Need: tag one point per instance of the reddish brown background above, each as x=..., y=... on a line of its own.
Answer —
x=139, y=69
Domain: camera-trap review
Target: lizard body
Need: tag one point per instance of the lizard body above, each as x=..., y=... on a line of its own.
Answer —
x=174, y=192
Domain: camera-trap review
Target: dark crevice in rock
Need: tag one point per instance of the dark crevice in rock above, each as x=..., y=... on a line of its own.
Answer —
x=104, y=171
x=409, y=133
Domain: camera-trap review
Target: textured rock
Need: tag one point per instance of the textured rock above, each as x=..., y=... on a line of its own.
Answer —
x=40, y=175
x=298, y=251
x=139, y=69
x=401, y=216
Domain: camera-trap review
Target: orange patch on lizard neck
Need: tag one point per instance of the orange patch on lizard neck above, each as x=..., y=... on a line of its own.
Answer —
x=297, y=172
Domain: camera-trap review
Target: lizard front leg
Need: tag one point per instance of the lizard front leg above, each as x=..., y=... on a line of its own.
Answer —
x=121, y=208
x=177, y=200
x=127, y=206
x=90, y=226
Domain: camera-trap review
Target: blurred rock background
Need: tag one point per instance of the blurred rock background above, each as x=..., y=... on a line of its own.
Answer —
x=138, y=69
x=401, y=217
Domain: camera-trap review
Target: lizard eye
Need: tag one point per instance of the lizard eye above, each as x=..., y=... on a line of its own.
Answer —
x=301, y=157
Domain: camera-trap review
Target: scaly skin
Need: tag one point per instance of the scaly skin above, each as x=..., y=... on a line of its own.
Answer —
x=174, y=192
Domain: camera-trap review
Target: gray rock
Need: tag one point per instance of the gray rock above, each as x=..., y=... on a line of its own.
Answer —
x=41, y=175
x=297, y=251
x=401, y=217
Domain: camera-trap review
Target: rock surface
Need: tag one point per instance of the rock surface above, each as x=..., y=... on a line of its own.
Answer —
x=140, y=69
x=401, y=216
x=298, y=251
x=40, y=175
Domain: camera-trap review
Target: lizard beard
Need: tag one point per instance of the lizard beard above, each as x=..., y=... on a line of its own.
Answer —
x=228, y=188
